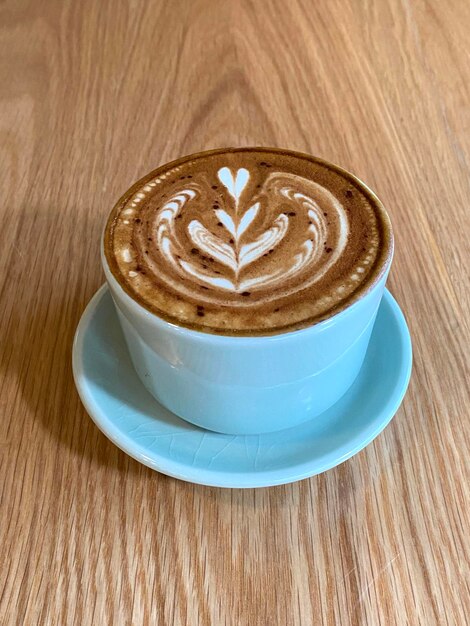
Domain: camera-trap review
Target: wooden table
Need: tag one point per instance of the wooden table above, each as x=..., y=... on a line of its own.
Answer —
x=95, y=94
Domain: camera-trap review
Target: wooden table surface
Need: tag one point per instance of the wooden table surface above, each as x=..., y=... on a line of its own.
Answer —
x=94, y=95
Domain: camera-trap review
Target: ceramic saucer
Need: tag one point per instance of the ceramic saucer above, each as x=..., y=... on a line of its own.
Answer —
x=130, y=417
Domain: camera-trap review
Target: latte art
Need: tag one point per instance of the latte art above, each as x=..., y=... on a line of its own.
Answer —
x=238, y=242
x=223, y=239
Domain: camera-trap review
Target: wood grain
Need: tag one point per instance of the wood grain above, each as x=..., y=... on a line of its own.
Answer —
x=94, y=95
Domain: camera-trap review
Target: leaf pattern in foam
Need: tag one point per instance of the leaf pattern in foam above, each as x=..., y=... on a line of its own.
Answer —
x=246, y=220
x=236, y=256
x=227, y=221
x=250, y=252
x=212, y=245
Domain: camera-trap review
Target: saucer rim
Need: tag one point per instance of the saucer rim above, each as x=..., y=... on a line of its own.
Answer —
x=252, y=479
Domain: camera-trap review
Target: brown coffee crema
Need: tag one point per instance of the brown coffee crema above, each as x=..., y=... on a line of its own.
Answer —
x=249, y=241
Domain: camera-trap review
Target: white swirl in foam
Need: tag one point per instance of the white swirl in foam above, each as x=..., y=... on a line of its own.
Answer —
x=237, y=255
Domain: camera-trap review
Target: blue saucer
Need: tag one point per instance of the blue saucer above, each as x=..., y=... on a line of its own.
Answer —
x=139, y=425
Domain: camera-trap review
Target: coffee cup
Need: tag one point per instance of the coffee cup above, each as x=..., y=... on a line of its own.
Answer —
x=237, y=381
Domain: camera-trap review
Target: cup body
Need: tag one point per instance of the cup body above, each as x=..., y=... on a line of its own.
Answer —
x=247, y=385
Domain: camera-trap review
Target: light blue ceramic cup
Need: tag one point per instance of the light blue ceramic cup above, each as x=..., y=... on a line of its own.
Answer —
x=249, y=385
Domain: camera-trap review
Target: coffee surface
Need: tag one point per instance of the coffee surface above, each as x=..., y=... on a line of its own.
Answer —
x=247, y=241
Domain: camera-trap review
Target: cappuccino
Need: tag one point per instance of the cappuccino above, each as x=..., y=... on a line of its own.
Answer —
x=249, y=241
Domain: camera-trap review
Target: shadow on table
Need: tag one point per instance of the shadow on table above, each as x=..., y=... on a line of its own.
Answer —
x=42, y=313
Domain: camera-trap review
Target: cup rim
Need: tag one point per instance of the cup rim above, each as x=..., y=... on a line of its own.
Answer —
x=381, y=265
